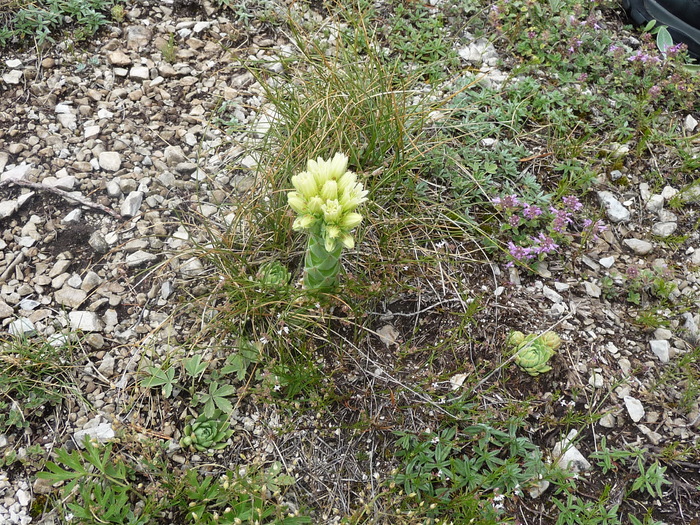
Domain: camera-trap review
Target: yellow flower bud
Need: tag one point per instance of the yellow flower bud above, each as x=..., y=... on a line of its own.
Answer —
x=347, y=240
x=330, y=190
x=305, y=184
x=347, y=180
x=303, y=222
x=350, y=220
x=297, y=202
x=338, y=165
x=353, y=197
x=315, y=205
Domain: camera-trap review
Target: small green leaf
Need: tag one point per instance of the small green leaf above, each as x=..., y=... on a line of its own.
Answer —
x=663, y=40
x=194, y=366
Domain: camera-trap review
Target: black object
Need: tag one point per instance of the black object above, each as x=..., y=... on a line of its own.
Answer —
x=681, y=17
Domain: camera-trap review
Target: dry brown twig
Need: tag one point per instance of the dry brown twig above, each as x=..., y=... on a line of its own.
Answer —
x=66, y=195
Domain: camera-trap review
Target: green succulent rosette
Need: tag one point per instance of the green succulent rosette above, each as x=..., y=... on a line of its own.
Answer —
x=325, y=197
x=207, y=433
x=273, y=275
x=533, y=352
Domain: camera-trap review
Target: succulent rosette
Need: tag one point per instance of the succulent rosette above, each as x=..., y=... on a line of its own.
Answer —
x=533, y=352
x=325, y=197
x=273, y=275
x=207, y=433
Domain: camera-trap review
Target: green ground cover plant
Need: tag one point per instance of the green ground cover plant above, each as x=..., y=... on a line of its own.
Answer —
x=473, y=174
x=24, y=22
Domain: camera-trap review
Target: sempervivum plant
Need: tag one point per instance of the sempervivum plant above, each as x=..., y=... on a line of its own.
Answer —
x=206, y=433
x=273, y=275
x=325, y=198
x=534, y=351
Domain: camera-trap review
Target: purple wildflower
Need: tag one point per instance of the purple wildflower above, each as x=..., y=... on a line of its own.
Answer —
x=544, y=244
x=530, y=211
x=514, y=220
x=594, y=228
x=510, y=201
x=561, y=219
x=572, y=203
x=519, y=253
x=643, y=58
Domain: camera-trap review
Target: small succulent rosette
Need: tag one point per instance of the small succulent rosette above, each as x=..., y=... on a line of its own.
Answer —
x=205, y=433
x=325, y=197
x=533, y=352
x=273, y=275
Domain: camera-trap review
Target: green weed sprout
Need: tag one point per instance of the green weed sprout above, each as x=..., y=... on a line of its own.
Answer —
x=325, y=198
x=533, y=352
x=206, y=433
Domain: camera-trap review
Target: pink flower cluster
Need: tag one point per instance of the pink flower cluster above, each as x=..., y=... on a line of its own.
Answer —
x=536, y=232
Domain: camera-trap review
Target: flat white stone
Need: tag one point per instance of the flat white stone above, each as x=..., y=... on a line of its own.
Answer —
x=72, y=216
x=551, y=295
x=70, y=297
x=539, y=488
x=669, y=192
x=140, y=257
x=638, y=246
x=139, y=73
x=22, y=497
x=614, y=209
x=16, y=172
x=661, y=349
x=689, y=124
x=132, y=203
x=66, y=183
x=607, y=421
x=107, y=365
x=102, y=433
x=663, y=333
x=664, y=229
x=568, y=456
x=91, y=132
x=21, y=326
x=655, y=203
x=110, y=160
x=85, y=321
x=12, y=77
x=7, y=208
x=592, y=289
x=596, y=380
x=192, y=267
x=634, y=408
x=68, y=120
x=607, y=262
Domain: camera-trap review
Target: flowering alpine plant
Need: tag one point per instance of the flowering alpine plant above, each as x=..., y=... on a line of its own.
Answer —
x=325, y=198
x=538, y=232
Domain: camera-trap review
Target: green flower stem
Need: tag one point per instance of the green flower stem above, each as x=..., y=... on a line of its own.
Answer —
x=321, y=267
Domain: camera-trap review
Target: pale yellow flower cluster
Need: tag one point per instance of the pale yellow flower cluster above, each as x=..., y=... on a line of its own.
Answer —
x=326, y=197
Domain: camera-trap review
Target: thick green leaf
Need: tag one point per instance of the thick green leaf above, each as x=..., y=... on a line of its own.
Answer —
x=663, y=40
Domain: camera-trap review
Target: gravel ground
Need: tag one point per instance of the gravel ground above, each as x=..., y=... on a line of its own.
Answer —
x=102, y=151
